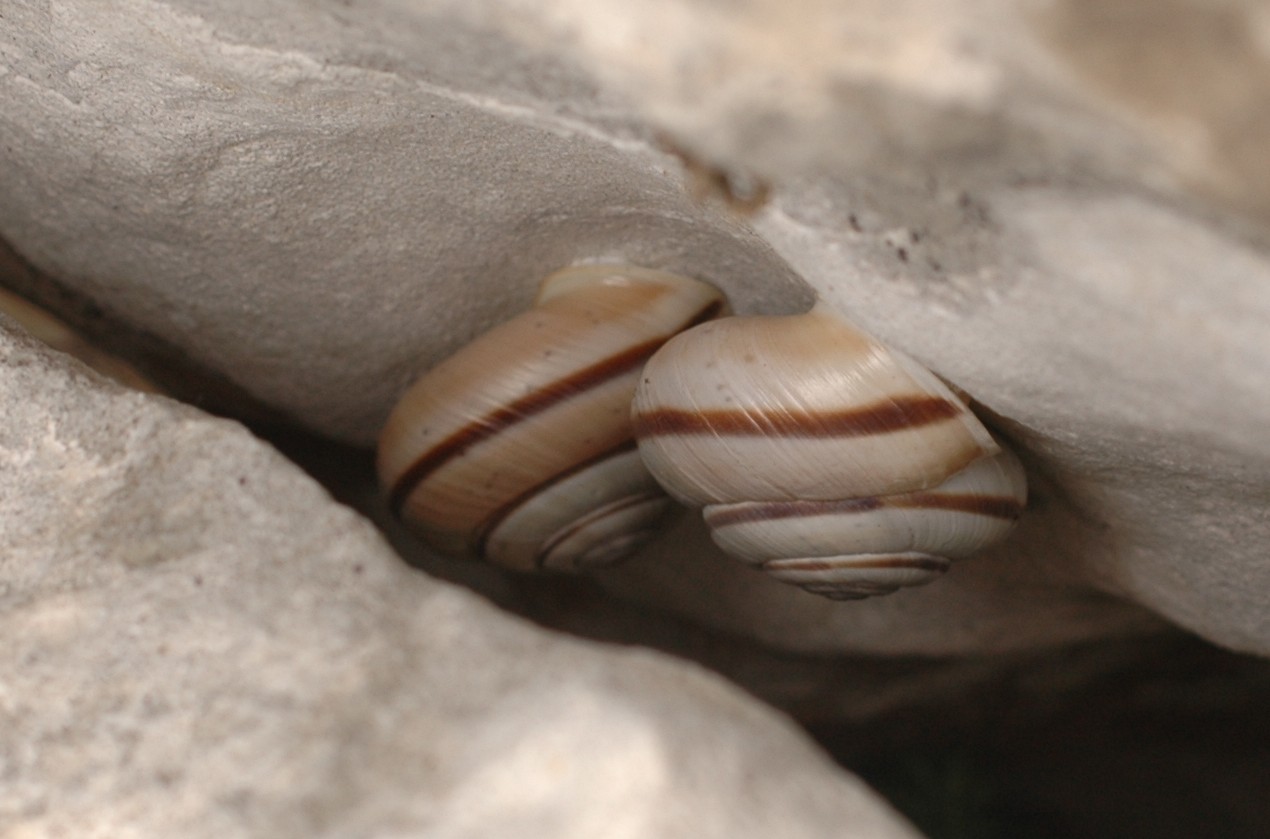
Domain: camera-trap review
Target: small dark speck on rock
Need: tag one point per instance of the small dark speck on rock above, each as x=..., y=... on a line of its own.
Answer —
x=358, y=569
x=198, y=581
x=903, y=254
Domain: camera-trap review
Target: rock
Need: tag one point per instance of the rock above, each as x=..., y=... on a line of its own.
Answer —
x=326, y=200
x=199, y=642
x=318, y=203
x=1120, y=94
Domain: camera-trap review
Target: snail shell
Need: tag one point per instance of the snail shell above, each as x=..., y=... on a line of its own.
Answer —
x=519, y=449
x=59, y=335
x=821, y=455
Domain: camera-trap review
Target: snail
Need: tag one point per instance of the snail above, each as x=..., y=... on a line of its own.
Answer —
x=822, y=456
x=518, y=449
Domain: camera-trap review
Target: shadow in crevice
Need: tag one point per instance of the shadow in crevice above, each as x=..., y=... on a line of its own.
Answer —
x=1158, y=736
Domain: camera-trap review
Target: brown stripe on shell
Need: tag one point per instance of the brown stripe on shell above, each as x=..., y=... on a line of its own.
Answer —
x=481, y=534
x=590, y=519
x=848, y=591
x=767, y=511
x=921, y=562
x=993, y=506
x=898, y=414
x=499, y=420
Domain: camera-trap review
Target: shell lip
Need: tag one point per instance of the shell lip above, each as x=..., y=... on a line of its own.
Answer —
x=901, y=560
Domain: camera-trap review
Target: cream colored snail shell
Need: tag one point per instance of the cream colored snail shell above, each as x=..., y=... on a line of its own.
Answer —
x=819, y=454
x=519, y=449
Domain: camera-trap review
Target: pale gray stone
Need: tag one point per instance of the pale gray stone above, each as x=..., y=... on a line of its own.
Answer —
x=319, y=201
x=199, y=642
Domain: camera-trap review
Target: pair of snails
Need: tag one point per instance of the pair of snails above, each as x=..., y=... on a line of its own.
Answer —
x=557, y=440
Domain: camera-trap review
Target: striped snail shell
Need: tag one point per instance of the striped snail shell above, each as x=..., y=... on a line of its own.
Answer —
x=819, y=454
x=519, y=449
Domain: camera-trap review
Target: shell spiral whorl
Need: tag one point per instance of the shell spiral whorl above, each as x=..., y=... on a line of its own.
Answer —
x=821, y=455
x=519, y=448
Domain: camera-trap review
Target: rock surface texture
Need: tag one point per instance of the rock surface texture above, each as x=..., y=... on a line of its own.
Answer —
x=1061, y=207
x=199, y=642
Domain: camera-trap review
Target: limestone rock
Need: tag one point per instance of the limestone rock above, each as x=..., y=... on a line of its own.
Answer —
x=1063, y=216
x=199, y=642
